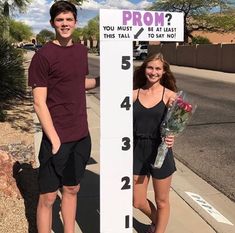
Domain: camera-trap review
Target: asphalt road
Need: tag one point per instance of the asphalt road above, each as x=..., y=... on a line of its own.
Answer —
x=207, y=145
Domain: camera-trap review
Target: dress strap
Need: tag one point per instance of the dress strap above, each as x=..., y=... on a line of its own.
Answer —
x=163, y=92
x=138, y=93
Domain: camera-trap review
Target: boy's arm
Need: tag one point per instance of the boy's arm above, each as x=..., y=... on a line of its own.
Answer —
x=44, y=116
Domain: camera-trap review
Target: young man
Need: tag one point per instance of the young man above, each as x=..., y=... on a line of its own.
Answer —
x=57, y=75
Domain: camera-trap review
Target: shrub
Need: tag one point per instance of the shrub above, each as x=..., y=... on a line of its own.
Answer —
x=200, y=40
x=12, y=76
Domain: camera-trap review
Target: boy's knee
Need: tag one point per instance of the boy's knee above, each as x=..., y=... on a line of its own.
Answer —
x=47, y=199
x=72, y=190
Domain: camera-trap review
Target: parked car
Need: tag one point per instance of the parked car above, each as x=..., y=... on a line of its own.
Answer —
x=29, y=46
x=140, y=51
x=38, y=46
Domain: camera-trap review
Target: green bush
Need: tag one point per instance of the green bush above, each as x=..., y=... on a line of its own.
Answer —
x=200, y=40
x=2, y=115
x=12, y=76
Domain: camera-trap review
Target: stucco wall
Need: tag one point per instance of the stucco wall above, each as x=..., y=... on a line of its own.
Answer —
x=228, y=58
x=219, y=57
x=208, y=56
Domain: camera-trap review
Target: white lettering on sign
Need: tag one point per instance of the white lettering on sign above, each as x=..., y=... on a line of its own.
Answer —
x=209, y=208
x=141, y=25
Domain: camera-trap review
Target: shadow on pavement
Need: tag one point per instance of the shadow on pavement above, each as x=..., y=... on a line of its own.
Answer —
x=88, y=199
x=26, y=181
x=139, y=227
x=57, y=225
x=88, y=217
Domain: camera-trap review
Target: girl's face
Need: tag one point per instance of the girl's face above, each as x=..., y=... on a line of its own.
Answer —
x=64, y=25
x=154, y=71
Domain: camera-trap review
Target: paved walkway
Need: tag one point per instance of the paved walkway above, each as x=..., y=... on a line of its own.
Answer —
x=196, y=207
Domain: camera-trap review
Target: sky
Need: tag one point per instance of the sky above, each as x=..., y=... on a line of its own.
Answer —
x=37, y=16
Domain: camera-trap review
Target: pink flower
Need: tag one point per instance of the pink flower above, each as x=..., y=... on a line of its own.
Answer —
x=184, y=105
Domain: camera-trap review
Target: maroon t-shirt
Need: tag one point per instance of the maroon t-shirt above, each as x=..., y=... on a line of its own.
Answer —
x=62, y=70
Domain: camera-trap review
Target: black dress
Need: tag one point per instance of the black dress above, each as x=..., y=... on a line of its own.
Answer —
x=147, y=138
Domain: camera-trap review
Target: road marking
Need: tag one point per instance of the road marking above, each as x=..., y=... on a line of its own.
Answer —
x=209, y=208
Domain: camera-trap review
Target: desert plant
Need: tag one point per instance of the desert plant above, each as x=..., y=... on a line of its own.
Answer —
x=12, y=76
x=200, y=40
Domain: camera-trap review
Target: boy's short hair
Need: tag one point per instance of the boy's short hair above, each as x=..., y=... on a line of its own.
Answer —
x=62, y=6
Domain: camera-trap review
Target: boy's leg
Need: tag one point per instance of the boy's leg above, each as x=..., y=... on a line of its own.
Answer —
x=44, y=212
x=72, y=175
x=68, y=207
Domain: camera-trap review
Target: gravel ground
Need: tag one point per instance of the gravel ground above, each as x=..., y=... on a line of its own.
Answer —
x=18, y=175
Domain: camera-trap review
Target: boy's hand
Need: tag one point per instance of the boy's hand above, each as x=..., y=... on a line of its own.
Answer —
x=56, y=146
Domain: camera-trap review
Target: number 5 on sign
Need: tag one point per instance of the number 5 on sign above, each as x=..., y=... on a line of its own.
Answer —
x=118, y=30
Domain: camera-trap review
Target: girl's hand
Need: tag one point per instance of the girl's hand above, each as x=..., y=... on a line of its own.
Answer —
x=169, y=140
x=171, y=101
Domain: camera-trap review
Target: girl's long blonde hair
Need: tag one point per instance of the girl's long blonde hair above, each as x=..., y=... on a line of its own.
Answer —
x=168, y=80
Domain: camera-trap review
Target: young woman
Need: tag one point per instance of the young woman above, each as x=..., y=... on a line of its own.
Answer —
x=154, y=90
x=57, y=75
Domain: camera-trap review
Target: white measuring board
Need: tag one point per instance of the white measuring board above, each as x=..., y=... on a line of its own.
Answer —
x=118, y=30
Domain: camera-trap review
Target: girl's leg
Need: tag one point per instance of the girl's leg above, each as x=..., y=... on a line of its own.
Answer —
x=162, y=190
x=69, y=207
x=140, y=200
x=44, y=212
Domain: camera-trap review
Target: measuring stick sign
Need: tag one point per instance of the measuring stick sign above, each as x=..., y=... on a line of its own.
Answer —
x=118, y=30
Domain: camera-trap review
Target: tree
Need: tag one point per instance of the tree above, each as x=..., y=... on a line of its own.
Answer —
x=93, y=28
x=75, y=2
x=2, y=26
x=91, y=31
x=20, y=31
x=44, y=36
x=7, y=6
x=197, y=13
x=77, y=34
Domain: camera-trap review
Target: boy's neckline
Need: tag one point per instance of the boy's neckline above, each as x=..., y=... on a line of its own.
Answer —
x=56, y=42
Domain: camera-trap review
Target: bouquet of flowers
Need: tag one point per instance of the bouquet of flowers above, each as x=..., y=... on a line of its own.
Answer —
x=177, y=117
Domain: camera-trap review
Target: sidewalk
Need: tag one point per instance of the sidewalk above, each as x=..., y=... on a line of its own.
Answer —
x=209, y=212
x=196, y=207
x=187, y=215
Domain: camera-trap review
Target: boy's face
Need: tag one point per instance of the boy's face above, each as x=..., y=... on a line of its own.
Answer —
x=64, y=25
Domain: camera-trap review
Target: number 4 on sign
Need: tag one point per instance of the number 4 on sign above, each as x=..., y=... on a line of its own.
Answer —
x=126, y=103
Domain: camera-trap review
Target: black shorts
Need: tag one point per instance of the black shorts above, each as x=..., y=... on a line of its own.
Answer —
x=145, y=152
x=66, y=167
